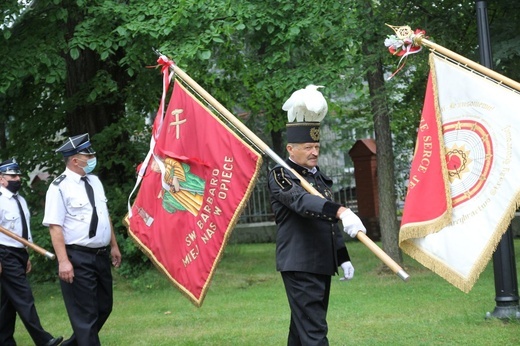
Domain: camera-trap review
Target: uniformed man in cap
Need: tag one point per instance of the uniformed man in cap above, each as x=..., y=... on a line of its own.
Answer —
x=309, y=246
x=16, y=294
x=84, y=241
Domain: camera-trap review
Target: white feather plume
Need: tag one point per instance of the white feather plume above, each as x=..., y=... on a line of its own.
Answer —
x=306, y=105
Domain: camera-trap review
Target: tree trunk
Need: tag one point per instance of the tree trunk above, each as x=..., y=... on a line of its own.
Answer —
x=278, y=147
x=3, y=120
x=91, y=106
x=385, y=157
x=88, y=108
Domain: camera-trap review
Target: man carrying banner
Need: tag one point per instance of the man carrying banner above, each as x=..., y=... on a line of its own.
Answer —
x=309, y=246
x=16, y=296
x=82, y=236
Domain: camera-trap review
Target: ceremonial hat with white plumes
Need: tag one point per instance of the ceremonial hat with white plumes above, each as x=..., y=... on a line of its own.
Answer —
x=306, y=108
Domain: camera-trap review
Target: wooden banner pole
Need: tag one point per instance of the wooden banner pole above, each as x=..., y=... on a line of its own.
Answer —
x=420, y=40
x=387, y=260
x=27, y=243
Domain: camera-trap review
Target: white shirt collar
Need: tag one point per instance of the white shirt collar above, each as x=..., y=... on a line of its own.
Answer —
x=73, y=175
x=6, y=192
x=312, y=170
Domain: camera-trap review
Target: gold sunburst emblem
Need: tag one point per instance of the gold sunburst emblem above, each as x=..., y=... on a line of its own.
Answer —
x=401, y=32
x=315, y=133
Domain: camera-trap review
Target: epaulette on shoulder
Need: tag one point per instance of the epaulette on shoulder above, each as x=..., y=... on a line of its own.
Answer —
x=59, y=179
x=282, y=179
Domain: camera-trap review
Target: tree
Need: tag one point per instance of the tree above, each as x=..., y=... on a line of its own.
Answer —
x=77, y=66
x=273, y=48
x=385, y=154
x=73, y=66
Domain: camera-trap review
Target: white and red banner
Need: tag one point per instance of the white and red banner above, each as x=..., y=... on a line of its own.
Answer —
x=194, y=185
x=463, y=187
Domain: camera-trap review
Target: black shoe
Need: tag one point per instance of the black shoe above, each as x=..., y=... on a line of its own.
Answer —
x=54, y=341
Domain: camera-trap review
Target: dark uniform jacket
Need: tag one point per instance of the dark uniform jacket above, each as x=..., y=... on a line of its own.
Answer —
x=308, y=238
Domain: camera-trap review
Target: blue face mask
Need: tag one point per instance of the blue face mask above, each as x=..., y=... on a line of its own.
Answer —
x=91, y=164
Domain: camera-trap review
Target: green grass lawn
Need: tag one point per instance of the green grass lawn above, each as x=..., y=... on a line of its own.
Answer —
x=246, y=305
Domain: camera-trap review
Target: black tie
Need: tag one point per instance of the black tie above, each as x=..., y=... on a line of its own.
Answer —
x=94, y=219
x=25, y=230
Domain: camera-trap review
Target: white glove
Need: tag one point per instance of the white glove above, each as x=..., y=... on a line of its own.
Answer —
x=351, y=223
x=348, y=271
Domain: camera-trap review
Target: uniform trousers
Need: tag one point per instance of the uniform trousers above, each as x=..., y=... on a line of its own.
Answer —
x=89, y=298
x=308, y=296
x=16, y=297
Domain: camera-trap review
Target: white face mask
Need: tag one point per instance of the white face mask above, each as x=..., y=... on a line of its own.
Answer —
x=91, y=164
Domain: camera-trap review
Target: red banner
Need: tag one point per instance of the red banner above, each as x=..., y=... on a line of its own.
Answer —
x=427, y=176
x=192, y=193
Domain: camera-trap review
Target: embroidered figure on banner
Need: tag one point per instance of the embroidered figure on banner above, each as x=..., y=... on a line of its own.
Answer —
x=186, y=190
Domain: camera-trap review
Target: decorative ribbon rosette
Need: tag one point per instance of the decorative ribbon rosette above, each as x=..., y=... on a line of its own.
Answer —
x=403, y=43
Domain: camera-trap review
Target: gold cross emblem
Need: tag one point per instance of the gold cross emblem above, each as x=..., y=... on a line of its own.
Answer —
x=177, y=122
